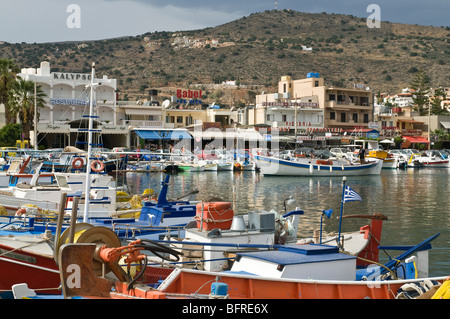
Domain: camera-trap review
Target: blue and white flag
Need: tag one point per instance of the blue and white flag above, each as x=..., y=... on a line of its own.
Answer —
x=351, y=195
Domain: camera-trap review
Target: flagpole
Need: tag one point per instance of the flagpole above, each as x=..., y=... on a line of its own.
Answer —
x=342, y=207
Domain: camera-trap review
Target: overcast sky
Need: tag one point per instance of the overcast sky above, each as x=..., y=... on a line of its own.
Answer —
x=54, y=20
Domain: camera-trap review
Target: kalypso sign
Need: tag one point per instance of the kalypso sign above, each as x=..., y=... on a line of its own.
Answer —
x=71, y=76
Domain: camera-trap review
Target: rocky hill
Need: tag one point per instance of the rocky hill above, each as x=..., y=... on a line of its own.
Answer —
x=256, y=51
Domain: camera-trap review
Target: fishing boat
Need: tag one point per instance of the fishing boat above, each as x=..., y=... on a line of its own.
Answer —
x=21, y=170
x=225, y=166
x=307, y=166
x=47, y=196
x=245, y=166
x=28, y=242
x=432, y=158
x=72, y=159
x=311, y=271
x=374, y=150
x=248, y=265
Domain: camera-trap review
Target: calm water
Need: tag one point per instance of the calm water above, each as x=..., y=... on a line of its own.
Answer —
x=416, y=201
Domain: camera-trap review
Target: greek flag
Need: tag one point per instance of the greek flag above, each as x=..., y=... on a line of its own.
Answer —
x=351, y=195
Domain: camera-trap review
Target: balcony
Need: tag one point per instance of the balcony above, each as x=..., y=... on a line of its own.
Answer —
x=342, y=105
x=143, y=123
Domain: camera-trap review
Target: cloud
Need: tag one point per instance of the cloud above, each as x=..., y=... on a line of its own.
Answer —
x=100, y=19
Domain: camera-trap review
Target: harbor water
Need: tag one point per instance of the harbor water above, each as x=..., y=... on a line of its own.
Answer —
x=416, y=202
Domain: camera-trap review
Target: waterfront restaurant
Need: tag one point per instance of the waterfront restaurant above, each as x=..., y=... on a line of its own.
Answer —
x=61, y=121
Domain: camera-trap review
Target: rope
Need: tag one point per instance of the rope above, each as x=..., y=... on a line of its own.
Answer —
x=35, y=289
x=29, y=245
x=373, y=262
x=212, y=219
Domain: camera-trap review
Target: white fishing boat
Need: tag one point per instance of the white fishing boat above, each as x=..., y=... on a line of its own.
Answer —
x=307, y=166
x=245, y=166
x=432, y=158
x=208, y=166
x=47, y=196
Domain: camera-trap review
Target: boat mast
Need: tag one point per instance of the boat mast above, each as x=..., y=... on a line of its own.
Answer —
x=88, y=159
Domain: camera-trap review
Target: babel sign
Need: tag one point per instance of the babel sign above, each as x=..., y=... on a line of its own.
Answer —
x=183, y=94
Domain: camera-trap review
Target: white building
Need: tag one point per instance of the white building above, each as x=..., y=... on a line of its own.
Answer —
x=67, y=102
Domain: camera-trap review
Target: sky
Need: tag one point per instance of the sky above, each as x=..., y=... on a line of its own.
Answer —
x=82, y=20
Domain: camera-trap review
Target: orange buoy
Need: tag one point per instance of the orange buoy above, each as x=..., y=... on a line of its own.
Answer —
x=97, y=166
x=78, y=163
x=20, y=212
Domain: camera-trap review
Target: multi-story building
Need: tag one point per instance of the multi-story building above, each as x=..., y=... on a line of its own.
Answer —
x=309, y=105
x=61, y=120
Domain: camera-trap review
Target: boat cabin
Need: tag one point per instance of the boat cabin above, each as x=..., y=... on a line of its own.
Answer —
x=312, y=261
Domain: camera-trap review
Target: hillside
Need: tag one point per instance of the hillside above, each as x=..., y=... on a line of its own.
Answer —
x=256, y=50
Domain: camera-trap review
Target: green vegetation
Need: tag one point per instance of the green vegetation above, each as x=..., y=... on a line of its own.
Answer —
x=257, y=50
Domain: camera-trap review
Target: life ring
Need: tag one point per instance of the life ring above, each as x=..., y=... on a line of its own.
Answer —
x=78, y=163
x=97, y=166
x=20, y=212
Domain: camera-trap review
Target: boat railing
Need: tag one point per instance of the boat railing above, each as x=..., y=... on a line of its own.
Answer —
x=129, y=231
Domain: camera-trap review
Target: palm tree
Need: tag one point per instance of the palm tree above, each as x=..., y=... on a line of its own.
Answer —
x=21, y=103
x=8, y=71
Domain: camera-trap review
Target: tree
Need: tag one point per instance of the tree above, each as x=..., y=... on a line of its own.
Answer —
x=9, y=134
x=8, y=71
x=440, y=134
x=435, y=101
x=420, y=84
x=21, y=103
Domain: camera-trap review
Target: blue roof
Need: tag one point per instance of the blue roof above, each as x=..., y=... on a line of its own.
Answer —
x=299, y=254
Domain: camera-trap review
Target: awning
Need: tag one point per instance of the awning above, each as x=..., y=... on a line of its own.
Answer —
x=410, y=121
x=446, y=125
x=416, y=139
x=163, y=134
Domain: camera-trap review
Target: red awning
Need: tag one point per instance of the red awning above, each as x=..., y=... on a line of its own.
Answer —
x=416, y=139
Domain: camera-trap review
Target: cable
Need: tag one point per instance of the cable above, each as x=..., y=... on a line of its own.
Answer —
x=139, y=275
x=157, y=248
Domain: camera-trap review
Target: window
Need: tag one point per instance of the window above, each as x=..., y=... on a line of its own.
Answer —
x=170, y=119
x=180, y=119
x=332, y=115
x=283, y=118
x=366, y=118
x=284, y=87
x=364, y=100
x=316, y=83
x=355, y=117
x=332, y=97
x=342, y=117
x=189, y=120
